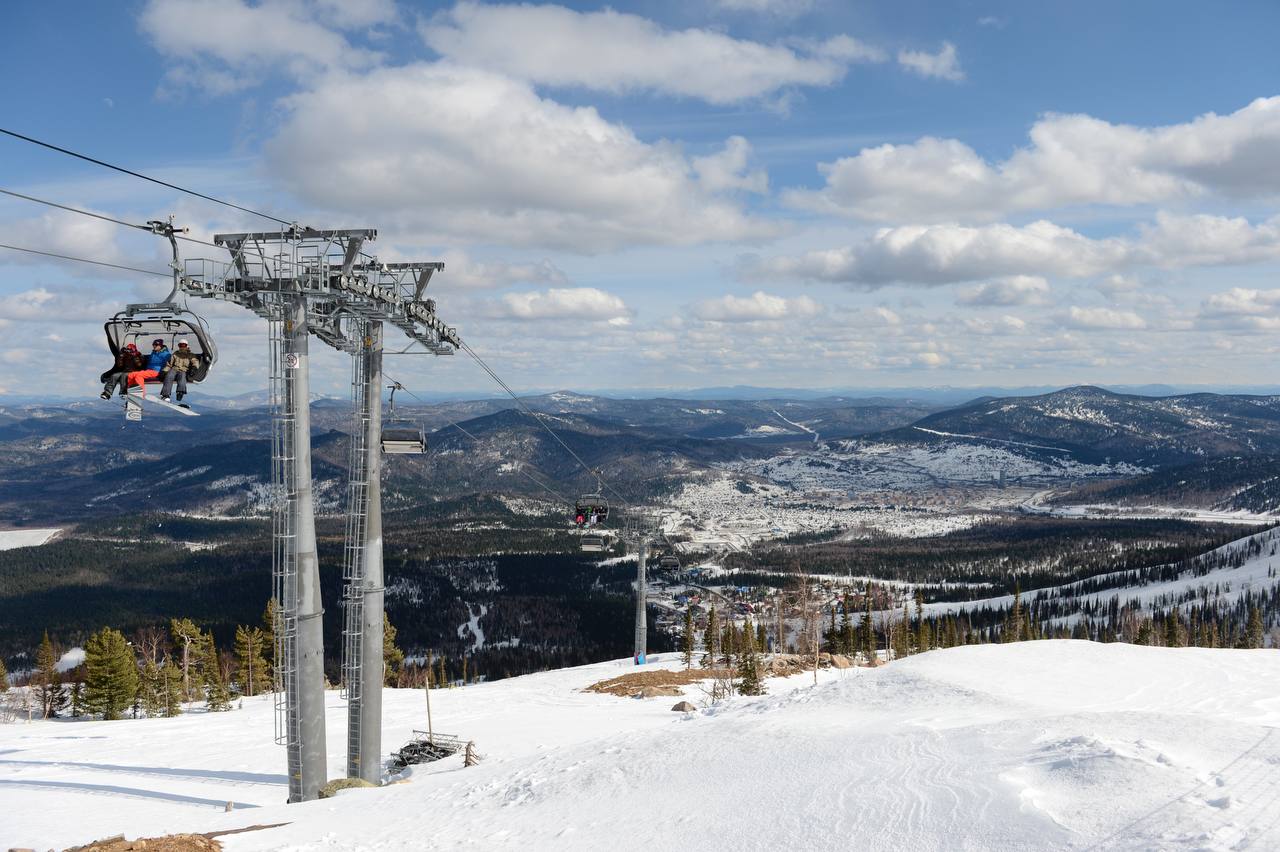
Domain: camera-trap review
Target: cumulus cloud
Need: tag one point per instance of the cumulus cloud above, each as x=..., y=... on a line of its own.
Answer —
x=618, y=52
x=728, y=169
x=757, y=306
x=584, y=303
x=227, y=45
x=782, y=8
x=1071, y=160
x=461, y=271
x=1014, y=290
x=474, y=154
x=1101, y=318
x=1006, y=324
x=1242, y=308
x=943, y=254
x=943, y=65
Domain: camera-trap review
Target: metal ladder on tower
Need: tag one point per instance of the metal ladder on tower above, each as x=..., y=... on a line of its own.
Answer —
x=284, y=565
x=353, y=570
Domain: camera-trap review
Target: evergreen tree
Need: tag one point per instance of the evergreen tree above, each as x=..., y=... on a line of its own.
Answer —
x=1016, y=623
x=748, y=664
x=1253, y=632
x=868, y=632
x=217, y=694
x=711, y=639
x=686, y=645
x=1144, y=632
x=1173, y=629
x=193, y=645
x=149, y=690
x=77, y=699
x=269, y=629
x=111, y=674
x=170, y=689
x=762, y=641
x=848, y=641
x=728, y=645
x=47, y=681
x=393, y=657
x=251, y=663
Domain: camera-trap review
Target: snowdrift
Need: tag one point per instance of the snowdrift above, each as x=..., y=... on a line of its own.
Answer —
x=1039, y=745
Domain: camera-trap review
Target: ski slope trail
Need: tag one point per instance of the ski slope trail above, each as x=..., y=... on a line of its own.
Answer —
x=1036, y=745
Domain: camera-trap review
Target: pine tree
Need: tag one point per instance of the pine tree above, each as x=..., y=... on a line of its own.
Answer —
x=1173, y=629
x=686, y=646
x=111, y=674
x=47, y=681
x=251, y=663
x=170, y=689
x=392, y=656
x=1016, y=623
x=1144, y=632
x=1253, y=632
x=868, y=632
x=77, y=699
x=728, y=645
x=847, y=638
x=217, y=694
x=762, y=641
x=149, y=690
x=748, y=664
x=711, y=639
x=193, y=644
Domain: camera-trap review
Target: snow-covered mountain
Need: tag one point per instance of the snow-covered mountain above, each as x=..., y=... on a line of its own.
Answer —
x=1027, y=746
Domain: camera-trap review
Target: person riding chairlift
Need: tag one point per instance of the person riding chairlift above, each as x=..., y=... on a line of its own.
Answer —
x=128, y=360
x=154, y=364
x=182, y=362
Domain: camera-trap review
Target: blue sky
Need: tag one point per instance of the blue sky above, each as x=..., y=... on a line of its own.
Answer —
x=682, y=194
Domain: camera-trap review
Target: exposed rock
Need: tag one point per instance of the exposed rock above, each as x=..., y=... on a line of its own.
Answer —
x=840, y=661
x=684, y=707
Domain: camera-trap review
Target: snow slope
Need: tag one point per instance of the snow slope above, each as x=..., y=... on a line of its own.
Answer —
x=1039, y=745
x=9, y=539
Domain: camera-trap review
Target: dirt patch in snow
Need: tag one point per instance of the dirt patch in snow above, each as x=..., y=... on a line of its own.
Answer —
x=169, y=843
x=635, y=683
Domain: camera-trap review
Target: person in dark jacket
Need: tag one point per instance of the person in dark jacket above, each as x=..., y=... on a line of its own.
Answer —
x=128, y=360
x=153, y=365
x=183, y=362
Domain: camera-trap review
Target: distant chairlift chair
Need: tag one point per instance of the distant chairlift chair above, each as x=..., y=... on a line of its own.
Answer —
x=401, y=436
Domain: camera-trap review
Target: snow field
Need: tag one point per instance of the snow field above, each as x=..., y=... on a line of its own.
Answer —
x=10, y=539
x=1038, y=745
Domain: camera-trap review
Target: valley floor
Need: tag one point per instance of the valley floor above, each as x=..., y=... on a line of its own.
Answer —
x=1036, y=745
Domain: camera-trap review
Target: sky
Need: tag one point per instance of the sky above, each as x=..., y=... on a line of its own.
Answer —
x=658, y=195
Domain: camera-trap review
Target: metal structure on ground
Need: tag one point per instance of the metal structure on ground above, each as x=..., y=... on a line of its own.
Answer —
x=639, y=532
x=308, y=282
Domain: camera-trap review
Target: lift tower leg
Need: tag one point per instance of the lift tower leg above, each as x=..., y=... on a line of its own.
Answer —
x=310, y=647
x=364, y=720
x=642, y=594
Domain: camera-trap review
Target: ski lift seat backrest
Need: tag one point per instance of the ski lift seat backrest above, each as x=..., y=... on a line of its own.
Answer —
x=669, y=562
x=592, y=504
x=140, y=325
x=592, y=543
x=403, y=439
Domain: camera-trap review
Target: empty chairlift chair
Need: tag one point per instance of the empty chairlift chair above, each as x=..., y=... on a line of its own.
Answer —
x=669, y=563
x=401, y=436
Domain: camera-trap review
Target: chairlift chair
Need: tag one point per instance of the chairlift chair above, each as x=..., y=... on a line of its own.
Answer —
x=141, y=324
x=593, y=543
x=669, y=563
x=589, y=505
x=401, y=436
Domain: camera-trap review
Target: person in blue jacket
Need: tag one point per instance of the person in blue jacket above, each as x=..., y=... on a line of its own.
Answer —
x=153, y=364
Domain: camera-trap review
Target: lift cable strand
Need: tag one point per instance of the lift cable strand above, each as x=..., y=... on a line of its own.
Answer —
x=123, y=170
x=87, y=260
x=559, y=497
x=600, y=479
x=103, y=217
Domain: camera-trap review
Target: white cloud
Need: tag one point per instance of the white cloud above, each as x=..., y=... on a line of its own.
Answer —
x=757, y=306
x=1006, y=324
x=943, y=65
x=1101, y=318
x=782, y=8
x=1072, y=159
x=618, y=52
x=356, y=14
x=476, y=155
x=462, y=272
x=227, y=45
x=727, y=170
x=586, y=303
x=1014, y=290
x=942, y=254
x=1241, y=301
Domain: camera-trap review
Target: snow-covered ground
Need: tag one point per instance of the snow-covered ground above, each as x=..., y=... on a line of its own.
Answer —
x=9, y=539
x=1035, y=505
x=1037, y=745
x=724, y=511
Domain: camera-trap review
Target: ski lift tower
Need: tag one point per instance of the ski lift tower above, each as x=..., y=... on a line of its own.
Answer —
x=308, y=282
x=638, y=531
